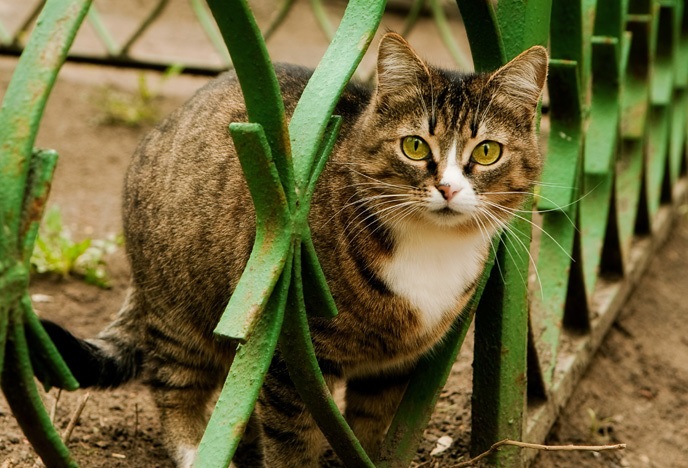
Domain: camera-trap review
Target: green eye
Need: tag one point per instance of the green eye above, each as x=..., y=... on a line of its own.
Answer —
x=487, y=152
x=415, y=148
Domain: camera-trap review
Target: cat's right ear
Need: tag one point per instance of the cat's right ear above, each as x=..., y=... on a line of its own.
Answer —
x=523, y=78
x=398, y=67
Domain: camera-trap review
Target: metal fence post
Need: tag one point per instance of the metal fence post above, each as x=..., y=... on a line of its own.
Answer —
x=500, y=356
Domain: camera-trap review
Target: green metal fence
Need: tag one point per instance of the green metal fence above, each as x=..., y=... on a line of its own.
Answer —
x=112, y=47
x=616, y=157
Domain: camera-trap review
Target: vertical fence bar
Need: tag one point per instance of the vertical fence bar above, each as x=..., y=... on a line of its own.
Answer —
x=661, y=94
x=679, y=118
x=557, y=201
x=500, y=355
x=500, y=351
x=415, y=409
x=601, y=143
x=634, y=117
x=558, y=208
x=484, y=35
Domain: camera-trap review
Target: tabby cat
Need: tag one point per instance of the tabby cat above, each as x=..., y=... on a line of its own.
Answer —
x=427, y=167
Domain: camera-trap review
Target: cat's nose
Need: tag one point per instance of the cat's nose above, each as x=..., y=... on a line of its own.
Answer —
x=448, y=191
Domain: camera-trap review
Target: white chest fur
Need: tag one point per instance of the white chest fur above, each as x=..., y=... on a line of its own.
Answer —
x=432, y=268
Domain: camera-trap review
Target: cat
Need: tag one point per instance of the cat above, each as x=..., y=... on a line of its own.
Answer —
x=428, y=166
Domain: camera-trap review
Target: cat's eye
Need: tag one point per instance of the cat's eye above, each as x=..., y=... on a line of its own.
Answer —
x=487, y=152
x=415, y=148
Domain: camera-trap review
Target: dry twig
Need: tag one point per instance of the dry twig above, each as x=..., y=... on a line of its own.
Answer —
x=136, y=420
x=53, y=410
x=75, y=418
x=551, y=448
x=70, y=427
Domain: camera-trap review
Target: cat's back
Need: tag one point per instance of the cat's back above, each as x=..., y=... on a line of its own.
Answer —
x=188, y=215
x=195, y=138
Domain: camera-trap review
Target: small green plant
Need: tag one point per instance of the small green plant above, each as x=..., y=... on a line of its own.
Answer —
x=600, y=428
x=57, y=253
x=133, y=109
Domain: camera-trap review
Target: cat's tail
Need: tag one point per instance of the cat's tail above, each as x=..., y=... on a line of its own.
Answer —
x=110, y=360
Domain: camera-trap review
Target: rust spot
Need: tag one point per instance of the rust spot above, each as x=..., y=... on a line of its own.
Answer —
x=521, y=379
x=35, y=210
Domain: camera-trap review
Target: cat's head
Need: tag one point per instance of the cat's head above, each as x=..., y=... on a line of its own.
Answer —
x=459, y=151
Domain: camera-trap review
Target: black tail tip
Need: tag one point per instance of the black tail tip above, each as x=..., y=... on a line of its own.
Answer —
x=89, y=365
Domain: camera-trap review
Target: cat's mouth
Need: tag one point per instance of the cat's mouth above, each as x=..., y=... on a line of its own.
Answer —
x=447, y=216
x=446, y=211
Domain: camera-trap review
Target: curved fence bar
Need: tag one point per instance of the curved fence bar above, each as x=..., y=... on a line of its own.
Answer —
x=281, y=212
x=483, y=34
x=25, y=177
x=121, y=51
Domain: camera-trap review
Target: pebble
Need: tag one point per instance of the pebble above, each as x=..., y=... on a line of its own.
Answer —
x=41, y=298
x=443, y=443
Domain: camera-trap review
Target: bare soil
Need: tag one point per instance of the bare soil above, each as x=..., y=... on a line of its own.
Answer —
x=635, y=392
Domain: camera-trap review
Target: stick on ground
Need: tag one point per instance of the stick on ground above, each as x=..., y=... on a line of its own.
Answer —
x=551, y=448
x=75, y=418
x=54, y=408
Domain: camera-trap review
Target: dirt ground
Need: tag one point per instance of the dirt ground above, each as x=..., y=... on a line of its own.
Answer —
x=635, y=392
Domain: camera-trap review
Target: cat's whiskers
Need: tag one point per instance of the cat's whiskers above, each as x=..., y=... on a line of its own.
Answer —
x=375, y=185
x=399, y=212
x=343, y=208
x=367, y=185
x=486, y=235
x=386, y=184
x=397, y=218
x=550, y=184
x=544, y=198
x=516, y=235
x=495, y=226
x=563, y=187
x=503, y=226
x=373, y=204
x=348, y=203
x=360, y=226
x=511, y=230
x=514, y=213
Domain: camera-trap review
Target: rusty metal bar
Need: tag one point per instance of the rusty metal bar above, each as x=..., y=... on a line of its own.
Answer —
x=24, y=184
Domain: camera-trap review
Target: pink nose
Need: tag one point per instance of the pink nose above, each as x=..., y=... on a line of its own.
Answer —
x=448, y=191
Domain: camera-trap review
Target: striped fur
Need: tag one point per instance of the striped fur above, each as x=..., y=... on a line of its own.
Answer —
x=402, y=244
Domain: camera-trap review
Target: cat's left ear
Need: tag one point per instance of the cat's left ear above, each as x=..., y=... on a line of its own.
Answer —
x=523, y=78
x=398, y=67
